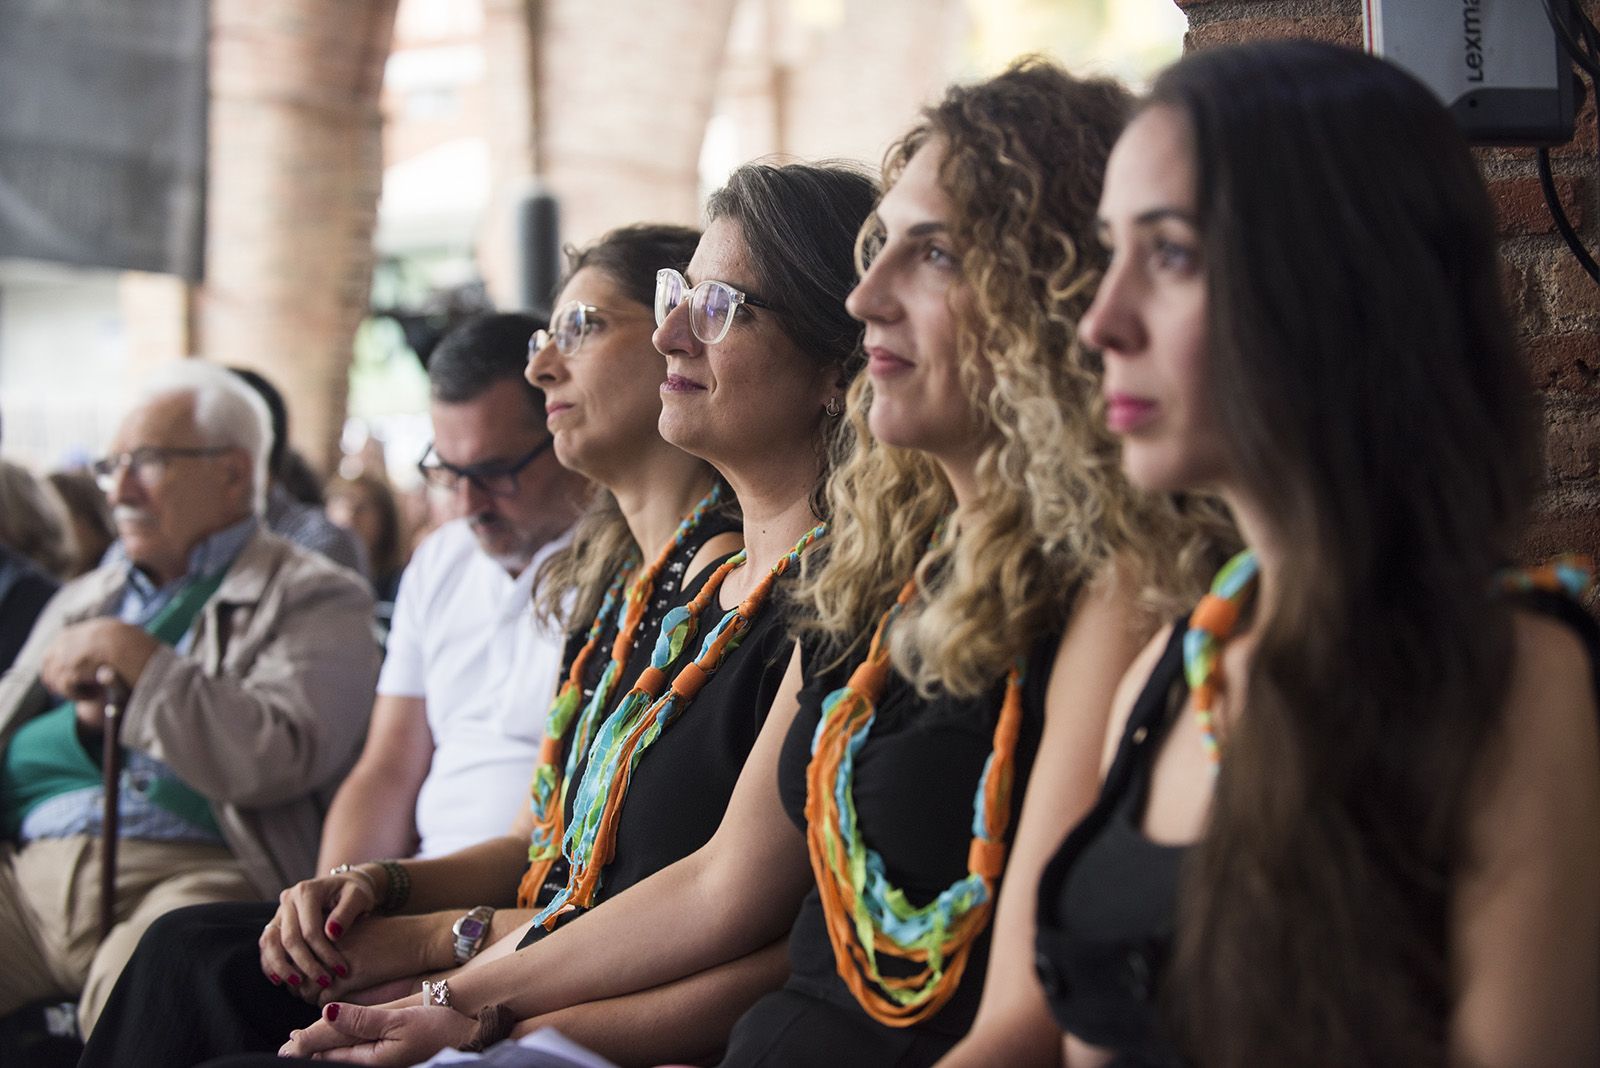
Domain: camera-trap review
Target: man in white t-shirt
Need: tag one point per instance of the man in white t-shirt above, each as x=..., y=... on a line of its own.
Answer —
x=470, y=672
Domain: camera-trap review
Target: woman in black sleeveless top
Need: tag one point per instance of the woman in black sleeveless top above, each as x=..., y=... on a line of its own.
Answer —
x=1008, y=526
x=1019, y=573
x=1351, y=816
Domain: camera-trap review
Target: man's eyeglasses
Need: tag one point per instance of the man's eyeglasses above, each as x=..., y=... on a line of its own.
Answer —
x=147, y=463
x=495, y=479
x=712, y=304
x=568, y=326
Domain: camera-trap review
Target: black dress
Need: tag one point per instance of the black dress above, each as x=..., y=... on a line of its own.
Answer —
x=205, y=957
x=681, y=787
x=1108, y=899
x=914, y=783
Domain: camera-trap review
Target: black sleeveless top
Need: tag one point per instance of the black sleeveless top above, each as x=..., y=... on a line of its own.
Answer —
x=914, y=784
x=681, y=786
x=1108, y=899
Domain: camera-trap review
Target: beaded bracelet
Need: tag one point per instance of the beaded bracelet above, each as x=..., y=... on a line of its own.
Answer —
x=399, y=890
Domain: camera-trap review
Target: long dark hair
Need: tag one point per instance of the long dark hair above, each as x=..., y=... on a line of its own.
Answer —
x=1362, y=365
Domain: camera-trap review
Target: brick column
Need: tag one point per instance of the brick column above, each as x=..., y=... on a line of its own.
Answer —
x=510, y=36
x=623, y=94
x=296, y=169
x=1555, y=304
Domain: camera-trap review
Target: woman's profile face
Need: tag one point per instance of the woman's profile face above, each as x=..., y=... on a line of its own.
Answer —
x=1149, y=314
x=907, y=298
x=753, y=393
x=603, y=399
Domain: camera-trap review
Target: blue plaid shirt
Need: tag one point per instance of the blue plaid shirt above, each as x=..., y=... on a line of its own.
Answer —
x=80, y=811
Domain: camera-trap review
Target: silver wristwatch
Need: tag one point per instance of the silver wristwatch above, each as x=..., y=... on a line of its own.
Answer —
x=470, y=931
x=436, y=992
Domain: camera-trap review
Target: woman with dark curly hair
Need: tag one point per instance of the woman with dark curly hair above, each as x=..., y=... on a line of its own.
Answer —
x=986, y=587
x=1351, y=819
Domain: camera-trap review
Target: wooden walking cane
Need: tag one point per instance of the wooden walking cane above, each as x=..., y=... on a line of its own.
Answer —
x=116, y=697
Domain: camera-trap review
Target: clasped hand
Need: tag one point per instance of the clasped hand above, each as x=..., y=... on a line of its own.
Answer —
x=399, y=1033
x=323, y=943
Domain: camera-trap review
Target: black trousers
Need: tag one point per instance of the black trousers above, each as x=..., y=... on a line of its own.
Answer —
x=792, y=1029
x=193, y=991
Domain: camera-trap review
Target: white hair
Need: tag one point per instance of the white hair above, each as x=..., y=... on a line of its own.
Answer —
x=226, y=412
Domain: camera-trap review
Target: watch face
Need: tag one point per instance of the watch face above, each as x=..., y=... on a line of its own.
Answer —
x=471, y=929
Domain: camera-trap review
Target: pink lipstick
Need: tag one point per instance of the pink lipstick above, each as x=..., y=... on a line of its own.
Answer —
x=1126, y=413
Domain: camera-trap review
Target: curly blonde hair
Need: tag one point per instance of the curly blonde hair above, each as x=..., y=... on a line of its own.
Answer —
x=1024, y=154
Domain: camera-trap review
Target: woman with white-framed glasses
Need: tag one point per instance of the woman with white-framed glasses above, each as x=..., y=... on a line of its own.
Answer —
x=712, y=303
x=980, y=517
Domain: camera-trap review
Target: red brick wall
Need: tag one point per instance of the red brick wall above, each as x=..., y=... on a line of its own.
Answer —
x=1557, y=306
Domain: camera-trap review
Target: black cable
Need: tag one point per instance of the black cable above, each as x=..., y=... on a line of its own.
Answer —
x=1590, y=62
x=1591, y=36
x=1577, y=54
x=1547, y=180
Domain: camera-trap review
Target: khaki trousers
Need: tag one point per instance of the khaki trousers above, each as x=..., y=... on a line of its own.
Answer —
x=50, y=912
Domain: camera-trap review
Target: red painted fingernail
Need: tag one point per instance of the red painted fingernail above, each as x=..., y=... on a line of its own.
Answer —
x=342, y=970
x=334, y=930
x=332, y=1011
x=294, y=980
x=275, y=980
x=324, y=982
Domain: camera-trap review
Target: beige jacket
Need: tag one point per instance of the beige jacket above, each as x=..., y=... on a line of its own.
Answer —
x=266, y=713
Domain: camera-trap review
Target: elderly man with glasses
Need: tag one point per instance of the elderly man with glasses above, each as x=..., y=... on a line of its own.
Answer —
x=249, y=663
x=459, y=716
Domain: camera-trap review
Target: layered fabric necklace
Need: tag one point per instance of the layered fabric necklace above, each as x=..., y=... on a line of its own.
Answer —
x=867, y=916
x=552, y=777
x=1210, y=626
x=1217, y=615
x=1570, y=573
x=641, y=717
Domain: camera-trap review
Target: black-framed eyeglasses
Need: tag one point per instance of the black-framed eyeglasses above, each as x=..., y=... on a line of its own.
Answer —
x=147, y=463
x=712, y=304
x=495, y=479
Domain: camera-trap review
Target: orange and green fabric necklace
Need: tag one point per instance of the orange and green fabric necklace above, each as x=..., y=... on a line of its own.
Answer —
x=553, y=776
x=1211, y=624
x=644, y=713
x=1217, y=615
x=867, y=916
